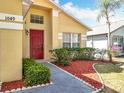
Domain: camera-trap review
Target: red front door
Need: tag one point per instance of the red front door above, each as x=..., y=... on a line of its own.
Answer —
x=36, y=44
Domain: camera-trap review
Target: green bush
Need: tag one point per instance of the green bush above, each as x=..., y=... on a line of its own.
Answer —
x=35, y=73
x=82, y=53
x=61, y=56
x=26, y=64
x=114, y=53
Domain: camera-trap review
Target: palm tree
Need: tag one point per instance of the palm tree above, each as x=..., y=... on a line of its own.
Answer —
x=107, y=7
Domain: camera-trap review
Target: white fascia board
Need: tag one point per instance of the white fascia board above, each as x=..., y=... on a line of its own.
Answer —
x=10, y=25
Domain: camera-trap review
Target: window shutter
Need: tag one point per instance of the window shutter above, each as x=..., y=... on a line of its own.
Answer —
x=83, y=37
x=60, y=36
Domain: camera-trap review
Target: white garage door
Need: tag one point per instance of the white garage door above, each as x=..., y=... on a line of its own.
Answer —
x=89, y=43
x=101, y=44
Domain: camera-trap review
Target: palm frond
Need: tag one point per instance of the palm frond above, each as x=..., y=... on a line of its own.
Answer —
x=101, y=15
x=107, y=7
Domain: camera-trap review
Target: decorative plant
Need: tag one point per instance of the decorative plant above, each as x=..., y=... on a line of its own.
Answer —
x=61, y=56
x=35, y=73
x=107, y=8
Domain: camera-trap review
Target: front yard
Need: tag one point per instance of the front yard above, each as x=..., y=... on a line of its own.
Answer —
x=84, y=70
x=112, y=74
x=119, y=59
x=113, y=77
x=80, y=62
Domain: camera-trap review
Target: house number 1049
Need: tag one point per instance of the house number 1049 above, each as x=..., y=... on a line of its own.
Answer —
x=9, y=18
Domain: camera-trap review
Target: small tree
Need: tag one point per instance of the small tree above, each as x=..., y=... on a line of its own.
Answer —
x=107, y=7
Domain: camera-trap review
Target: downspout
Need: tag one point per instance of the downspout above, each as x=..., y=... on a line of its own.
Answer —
x=26, y=4
x=0, y=69
x=31, y=3
x=92, y=41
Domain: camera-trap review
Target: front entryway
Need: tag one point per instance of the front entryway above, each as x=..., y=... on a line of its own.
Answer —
x=36, y=44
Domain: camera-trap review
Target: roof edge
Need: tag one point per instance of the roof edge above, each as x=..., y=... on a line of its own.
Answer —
x=89, y=29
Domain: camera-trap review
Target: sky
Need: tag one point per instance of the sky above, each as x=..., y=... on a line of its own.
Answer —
x=87, y=11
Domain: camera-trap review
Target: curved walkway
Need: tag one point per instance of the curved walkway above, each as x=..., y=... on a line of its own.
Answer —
x=62, y=83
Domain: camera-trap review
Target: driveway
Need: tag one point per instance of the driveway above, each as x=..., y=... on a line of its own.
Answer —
x=62, y=83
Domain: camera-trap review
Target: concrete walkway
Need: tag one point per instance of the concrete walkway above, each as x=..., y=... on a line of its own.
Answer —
x=62, y=83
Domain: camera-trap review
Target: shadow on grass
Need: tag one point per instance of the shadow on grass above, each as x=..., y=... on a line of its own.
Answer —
x=97, y=84
x=109, y=68
x=108, y=90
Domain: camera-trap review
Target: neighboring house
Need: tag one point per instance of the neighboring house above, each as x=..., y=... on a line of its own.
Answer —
x=98, y=37
x=32, y=30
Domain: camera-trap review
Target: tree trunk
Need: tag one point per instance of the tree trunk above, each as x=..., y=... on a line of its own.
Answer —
x=109, y=41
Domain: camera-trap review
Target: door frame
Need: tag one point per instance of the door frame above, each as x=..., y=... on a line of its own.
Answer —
x=30, y=41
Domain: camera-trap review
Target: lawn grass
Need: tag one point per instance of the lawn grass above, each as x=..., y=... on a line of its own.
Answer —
x=118, y=59
x=113, y=77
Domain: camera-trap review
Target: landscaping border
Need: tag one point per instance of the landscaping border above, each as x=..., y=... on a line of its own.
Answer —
x=103, y=86
x=27, y=88
x=0, y=85
x=96, y=89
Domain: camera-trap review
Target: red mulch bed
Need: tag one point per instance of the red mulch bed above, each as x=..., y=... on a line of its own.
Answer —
x=84, y=71
x=12, y=85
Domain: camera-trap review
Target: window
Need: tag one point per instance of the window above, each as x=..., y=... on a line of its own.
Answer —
x=71, y=40
x=118, y=43
x=66, y=40
x=37, y=19
x=117, y=40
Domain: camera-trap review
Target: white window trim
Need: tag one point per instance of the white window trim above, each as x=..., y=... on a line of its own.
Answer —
x=71, y=40
x=71, y=34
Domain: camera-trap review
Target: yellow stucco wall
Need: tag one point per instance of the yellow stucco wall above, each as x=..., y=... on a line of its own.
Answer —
x=55, y=30
x=11, y=7
x=44, y=3
x=10, y=44
x=53, y=25
x=11, y=55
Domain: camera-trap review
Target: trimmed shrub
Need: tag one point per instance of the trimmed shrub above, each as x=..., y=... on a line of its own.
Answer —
x=35, y=73
x=82, y=53
x=26, y=64
x=61, y=56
